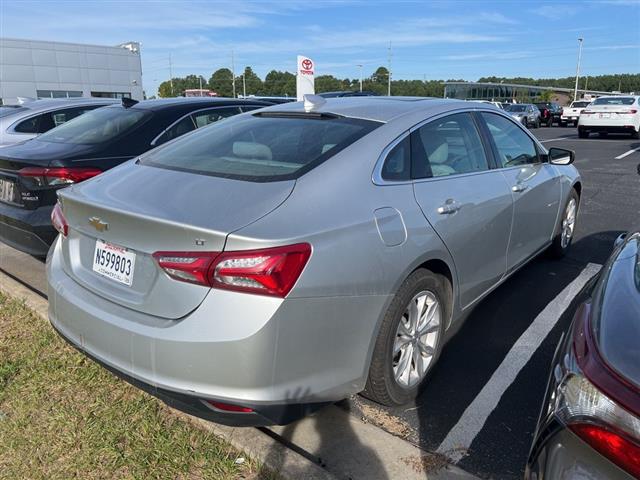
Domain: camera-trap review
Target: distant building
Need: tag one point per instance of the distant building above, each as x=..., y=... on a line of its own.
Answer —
x=40, y=69
x=509, y=92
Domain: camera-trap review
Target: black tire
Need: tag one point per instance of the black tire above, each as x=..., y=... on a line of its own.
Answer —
x=556, y=249
x=525, y=122
x=537, y=124
x=563, y=124
x=635, y=135
x=583, y=133
x=603, y=134
x=381, y=384
x=550, y=122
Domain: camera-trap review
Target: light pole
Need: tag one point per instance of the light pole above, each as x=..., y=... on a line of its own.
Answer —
x=244, y=84
x=360, y=66
x=575, y=90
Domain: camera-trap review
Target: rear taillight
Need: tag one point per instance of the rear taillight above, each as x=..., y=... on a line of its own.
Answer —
x=192, y=267
x=269, y=271
x=45, y=176
x=590, y=400
x=625, y=453
x=58, y=220
x=630, y=112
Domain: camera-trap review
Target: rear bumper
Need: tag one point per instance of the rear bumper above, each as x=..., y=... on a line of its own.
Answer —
x=274, y=356
x=608, y=128
x=27, y=230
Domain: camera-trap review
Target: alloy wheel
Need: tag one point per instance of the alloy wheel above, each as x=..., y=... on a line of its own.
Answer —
x=417, y=339
x=568, y=223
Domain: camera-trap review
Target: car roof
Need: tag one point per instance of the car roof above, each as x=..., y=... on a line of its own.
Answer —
x=44, y=104
x=378, y=108
x=162, y=103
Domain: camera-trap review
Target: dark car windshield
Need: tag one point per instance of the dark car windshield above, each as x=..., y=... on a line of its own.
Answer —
x=614, y=101
x=261, y=147
x=617, y=303
x=516, y=108
x=96, y=126
x=6, y=110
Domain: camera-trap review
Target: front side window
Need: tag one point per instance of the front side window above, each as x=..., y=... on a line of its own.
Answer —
x=97, y=126
x=260, y=147
x=514, y=146
x=447, y=146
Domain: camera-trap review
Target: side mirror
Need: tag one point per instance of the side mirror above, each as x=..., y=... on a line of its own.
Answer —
x=561, y=156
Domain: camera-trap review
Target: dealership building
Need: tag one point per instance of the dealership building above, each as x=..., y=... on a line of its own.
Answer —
x=41, y=69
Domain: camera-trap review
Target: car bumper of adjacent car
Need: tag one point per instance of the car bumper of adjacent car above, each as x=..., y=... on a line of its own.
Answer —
x=280, y=358
x=614, y=123
x=27, y=230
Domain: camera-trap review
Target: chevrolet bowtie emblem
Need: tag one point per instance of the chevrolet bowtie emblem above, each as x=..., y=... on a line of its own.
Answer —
x=98, y=224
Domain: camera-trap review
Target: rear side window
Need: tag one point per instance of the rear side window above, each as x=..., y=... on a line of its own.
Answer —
x=514, y=146
x=260, y=147
x=448, y=146
x=210, y=116
x=96, y=126
x=397, y=164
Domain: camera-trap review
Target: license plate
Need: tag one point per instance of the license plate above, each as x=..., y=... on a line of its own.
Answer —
x=7, y=190
x=605, y=115
x=114, y=262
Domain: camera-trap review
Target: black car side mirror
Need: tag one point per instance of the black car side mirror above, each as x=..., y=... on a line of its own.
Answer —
x=561, y=156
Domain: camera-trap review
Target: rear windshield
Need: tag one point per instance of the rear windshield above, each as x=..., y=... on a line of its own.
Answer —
x=580, y=104
x=516, y=108
x=614, y=101
x=260, y=147
x=96, y=126
x=6, y=110
x=617, y=301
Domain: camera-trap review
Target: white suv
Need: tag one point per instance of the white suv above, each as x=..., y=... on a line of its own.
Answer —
x=615, y=114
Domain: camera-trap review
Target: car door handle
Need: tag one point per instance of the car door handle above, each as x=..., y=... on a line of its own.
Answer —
x=520, y=187
x=448, y=208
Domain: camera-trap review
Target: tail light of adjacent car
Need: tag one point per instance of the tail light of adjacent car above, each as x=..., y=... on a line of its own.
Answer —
x=55, y=176
x=59, y=221
x=584, y=400
x=268, y=271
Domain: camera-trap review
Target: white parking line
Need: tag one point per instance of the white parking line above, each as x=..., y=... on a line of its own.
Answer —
x=628, y=153
x=459, y=438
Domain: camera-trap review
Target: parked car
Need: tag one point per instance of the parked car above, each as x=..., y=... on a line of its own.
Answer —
x=550, y=112
x=32, y=172
x=259, y=268
x=29, y=119
x=589, y=427
x=571, y=114
x=495, y=104
x=619, y=114
x=525, y=113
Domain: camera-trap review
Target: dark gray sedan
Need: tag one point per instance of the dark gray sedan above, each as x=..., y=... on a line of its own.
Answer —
x=589, y=427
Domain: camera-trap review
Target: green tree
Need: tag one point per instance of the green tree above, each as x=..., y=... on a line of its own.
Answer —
x=278, y=83
x=546, y=96
x=253, y=84
x=221, y=82
x=328, y=83
x=381, y=75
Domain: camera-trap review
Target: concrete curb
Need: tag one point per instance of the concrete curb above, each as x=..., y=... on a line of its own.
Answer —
x=256, y=444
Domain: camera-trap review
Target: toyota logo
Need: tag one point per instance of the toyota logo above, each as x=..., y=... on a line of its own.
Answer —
x=307, y=64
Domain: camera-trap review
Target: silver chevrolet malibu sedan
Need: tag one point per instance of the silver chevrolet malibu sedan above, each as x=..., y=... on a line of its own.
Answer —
x=259, y=268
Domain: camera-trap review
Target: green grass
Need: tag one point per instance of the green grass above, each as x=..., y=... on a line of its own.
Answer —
x=64, y=417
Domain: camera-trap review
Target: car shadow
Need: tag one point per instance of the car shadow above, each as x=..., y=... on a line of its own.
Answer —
x=327, y=439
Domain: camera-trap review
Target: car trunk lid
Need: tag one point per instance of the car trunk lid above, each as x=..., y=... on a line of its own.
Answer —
x=144, y=210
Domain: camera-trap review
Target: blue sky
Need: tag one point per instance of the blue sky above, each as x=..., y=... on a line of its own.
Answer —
x=430, y=40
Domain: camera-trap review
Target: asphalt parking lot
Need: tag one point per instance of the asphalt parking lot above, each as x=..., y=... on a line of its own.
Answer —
x=479, y=407
x=482, y=401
